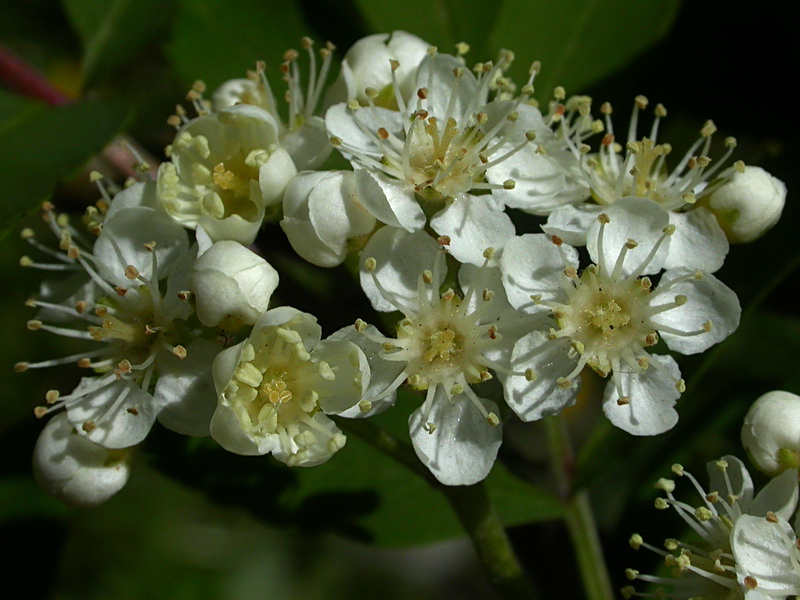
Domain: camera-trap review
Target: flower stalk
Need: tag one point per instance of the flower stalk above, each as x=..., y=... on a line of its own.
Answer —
x=471, y=503
x=578, y=516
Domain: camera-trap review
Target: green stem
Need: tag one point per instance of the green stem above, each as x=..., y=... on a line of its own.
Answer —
x=578, y=517
x=589, y=552
x=472, y=505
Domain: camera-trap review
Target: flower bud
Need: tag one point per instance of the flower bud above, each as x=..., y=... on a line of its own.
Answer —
x=749, y=204
x=232, y=285
x=771, y=432
x=321, y=213
x=76, y=470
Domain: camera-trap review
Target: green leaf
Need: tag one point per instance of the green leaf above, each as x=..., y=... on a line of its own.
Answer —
x=216, y=40
x=39, y=146
x=21, y=498
x=407, y=510
x=577, y=41
x=359, y=492
x=113, y=31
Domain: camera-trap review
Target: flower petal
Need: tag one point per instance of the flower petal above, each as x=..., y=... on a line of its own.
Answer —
x=472, y=227
x=549, y=361
x=462, y=448
x=651, y=398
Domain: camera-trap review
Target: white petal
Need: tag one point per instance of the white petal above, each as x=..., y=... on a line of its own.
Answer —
x=185, y=389
x=571, y=222
x=637, y=219
x=351, y=370
x=274, y=175
x=698, y=241
x=436, y=75
x=226, y=429
x=542, y=397
x=308, y=145
x=383, y=373
x=329, y=439
x=472, y=227
x=463, y=446
x=391, y=201
x=543, y=183
x=401, y=258
x=343, y=123
x=778, y=496
x=764, y=551
x=335, y=212
x=305, y=324
x=74, y=469
x=123, y=413
x=304, y=241
x=741, y=484
x=533, y=265
x=708, y=299
x=652, y=395
x=122, y=243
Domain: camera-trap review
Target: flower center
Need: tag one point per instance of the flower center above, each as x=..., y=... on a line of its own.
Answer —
x=606, y=319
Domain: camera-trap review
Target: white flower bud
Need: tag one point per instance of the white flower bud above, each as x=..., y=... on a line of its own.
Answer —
x=74, y=469
x=321, y=213
x=749, y=204
x=771, y=432
x=367, y=65
x=231, y=283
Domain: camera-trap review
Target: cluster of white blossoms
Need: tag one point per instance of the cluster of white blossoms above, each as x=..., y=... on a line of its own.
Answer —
x=743, y=545
x=175, y=304
x=746, y=547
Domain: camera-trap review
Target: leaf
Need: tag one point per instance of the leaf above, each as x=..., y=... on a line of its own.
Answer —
x=41, y=145
x=577, y=41
x=359, y=492
x=217, y=40
x=113, y=31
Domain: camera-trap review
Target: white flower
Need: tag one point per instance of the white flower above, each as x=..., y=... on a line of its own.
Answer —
x=276, y=388
x=303, y=134
x=231, y=284
x=748, y=204
x=76, y=470
x=607, y=316
x=747, y=548
x=639, y=169
x=435, y=156
x=150, y=363
x=445, y=344
x=369, y=64
x=225, y=169
x=771, y=432
x=321, y=214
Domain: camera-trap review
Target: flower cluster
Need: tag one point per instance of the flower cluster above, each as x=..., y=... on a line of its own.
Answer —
x=170, y=292
x=747, y=547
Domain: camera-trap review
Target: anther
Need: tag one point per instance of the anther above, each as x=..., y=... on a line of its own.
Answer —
x=360, y=325
x=179, y=351
x=89, y=426
x=21, y=367
x=40, y=411
x=603, y=218
x=370, y=264
x=443, y=240
x=492, y=419
x=635, y=541
x=34, y=324
x=131, y=272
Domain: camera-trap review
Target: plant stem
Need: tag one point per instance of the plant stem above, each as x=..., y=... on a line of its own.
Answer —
x=471, y=503
x=578, y=518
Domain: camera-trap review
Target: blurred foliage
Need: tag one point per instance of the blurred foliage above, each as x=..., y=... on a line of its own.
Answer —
x=40, y=146
x=157, y=539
